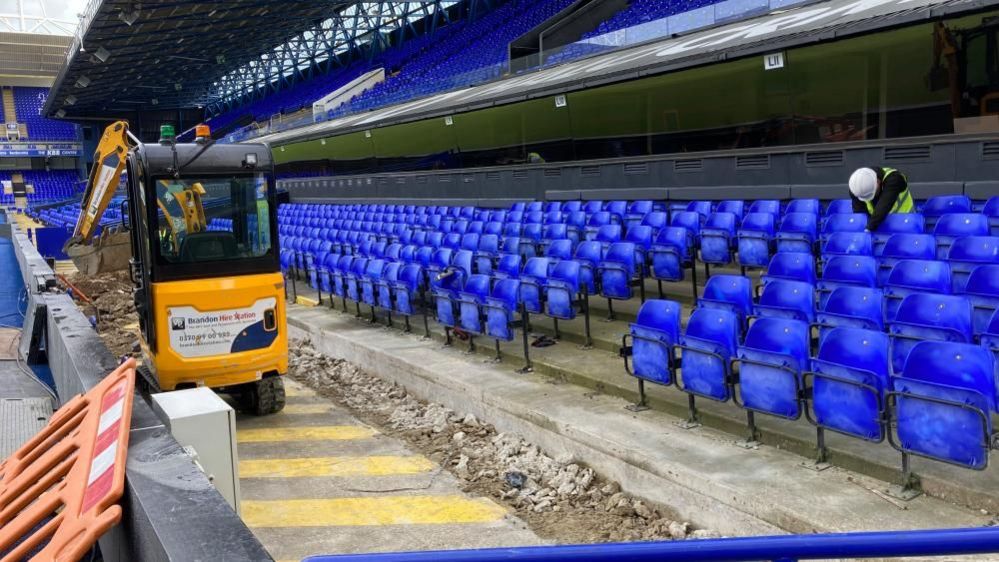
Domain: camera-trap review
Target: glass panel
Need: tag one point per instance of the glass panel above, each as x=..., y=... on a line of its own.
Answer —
x=213, y=218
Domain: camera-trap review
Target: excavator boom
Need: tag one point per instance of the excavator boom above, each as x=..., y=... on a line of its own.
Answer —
x=112, y=249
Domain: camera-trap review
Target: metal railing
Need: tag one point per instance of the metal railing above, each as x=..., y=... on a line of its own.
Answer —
x=936, y=542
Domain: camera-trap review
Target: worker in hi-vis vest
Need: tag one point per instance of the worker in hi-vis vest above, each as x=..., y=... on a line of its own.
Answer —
x=879, y=191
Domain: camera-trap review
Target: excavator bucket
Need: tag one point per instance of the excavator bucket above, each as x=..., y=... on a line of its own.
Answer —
x=110, y=251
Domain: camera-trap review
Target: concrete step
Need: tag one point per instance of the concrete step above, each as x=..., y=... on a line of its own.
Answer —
x=601, y=370
x=701, y=474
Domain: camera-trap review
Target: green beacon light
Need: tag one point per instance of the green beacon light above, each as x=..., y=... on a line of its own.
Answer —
x=167, y=134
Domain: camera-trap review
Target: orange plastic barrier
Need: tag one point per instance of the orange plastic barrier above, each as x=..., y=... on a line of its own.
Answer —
x=58, y=493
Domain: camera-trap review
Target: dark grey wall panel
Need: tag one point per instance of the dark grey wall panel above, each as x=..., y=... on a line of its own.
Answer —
x=820, y=191
x=562, y=195
x=630, y=193
x=981, y=189
x=922, y=190
x=730, y=192
x=934, y=167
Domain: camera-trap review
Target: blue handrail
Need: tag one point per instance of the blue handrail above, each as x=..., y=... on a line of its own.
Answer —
x=935, y=542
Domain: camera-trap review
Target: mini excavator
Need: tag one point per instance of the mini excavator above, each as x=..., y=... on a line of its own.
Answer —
x=199, y=239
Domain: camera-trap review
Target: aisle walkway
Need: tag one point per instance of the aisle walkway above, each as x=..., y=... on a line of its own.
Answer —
x=316, y=480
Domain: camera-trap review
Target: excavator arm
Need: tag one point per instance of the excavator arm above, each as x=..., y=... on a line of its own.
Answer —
x=112, y=249
x=109, y=162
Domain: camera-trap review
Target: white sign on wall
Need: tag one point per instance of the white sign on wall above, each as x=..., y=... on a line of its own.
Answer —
x=773, y=61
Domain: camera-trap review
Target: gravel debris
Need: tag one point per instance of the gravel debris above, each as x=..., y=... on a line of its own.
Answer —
x=560, y=499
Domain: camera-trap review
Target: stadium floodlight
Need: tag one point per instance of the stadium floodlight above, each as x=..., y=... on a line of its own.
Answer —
x=155, y=101
x=82, y=82
x=102, y=54
x=129, y=15
x=70, y=100
x=60, y=114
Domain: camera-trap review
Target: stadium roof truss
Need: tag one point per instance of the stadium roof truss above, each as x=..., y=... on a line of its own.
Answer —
x=366, y=25
x=173, y=54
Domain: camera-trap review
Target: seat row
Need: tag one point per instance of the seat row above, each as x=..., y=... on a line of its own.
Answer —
x=937, y=402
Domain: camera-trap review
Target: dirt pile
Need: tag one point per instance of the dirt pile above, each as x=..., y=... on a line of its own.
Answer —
x=113, y=308
x=560, y=499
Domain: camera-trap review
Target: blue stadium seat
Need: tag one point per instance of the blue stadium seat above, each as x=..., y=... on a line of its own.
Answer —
x=736, y=207
x=657, y=220
x=803, y=206
x=922, y=317
x=847, y=244
x=670, y=254
x=896, y=223
x=559, y=250
x=797, y=232
x=843, y=222
x=407, y=290
x=471, y=300
x=790, y=266
x=593, y=206
x=702, y=208
x=718, y=238
x=915, y=276
x=967, y=253
x=941, y=404
x=851, y=307
x=707, y=348
x=369, y=284
x=771, y=363
x=901, y=247
x=729, y=292
x=588, y=254
x=649, y=344
x=935, y=207
x=846, y=271
x=845, y=386
x=501, y=307
x=566, y=293
x=951, y=227
x=787, y=299
x=533, y=280
x=445, y=286
x=982, y=290
x=619, y=274
x=991, y=211
x=839, y=207
x=756, y=237
x=593, y=224
x=771, y=206
x=385, y=287
x=608, y=234
x=637, y=210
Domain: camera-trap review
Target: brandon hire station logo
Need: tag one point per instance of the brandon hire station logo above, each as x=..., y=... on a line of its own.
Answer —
x=178, y=323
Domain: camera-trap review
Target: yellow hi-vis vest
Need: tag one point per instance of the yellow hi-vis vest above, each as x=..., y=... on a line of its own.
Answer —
x=903, y=204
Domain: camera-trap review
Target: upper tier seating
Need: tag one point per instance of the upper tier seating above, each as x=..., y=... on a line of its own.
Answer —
x=28, y=104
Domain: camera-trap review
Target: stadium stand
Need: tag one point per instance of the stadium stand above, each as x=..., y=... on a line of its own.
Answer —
x=892, y=353
x=28, y=103
x=49, y=186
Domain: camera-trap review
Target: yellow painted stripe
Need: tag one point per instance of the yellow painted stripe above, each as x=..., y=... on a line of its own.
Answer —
x=306, y=301
x=383, y=510
x=319, y=433
x=307, y=408
x=295, y=389
x=334, y=466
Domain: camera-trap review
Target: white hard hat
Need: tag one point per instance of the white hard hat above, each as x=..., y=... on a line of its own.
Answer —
x=864, y=184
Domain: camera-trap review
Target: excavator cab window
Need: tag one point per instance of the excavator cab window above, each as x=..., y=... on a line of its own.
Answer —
x=211, y=219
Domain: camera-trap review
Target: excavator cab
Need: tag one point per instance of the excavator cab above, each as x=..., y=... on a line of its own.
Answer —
x=208, y=288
